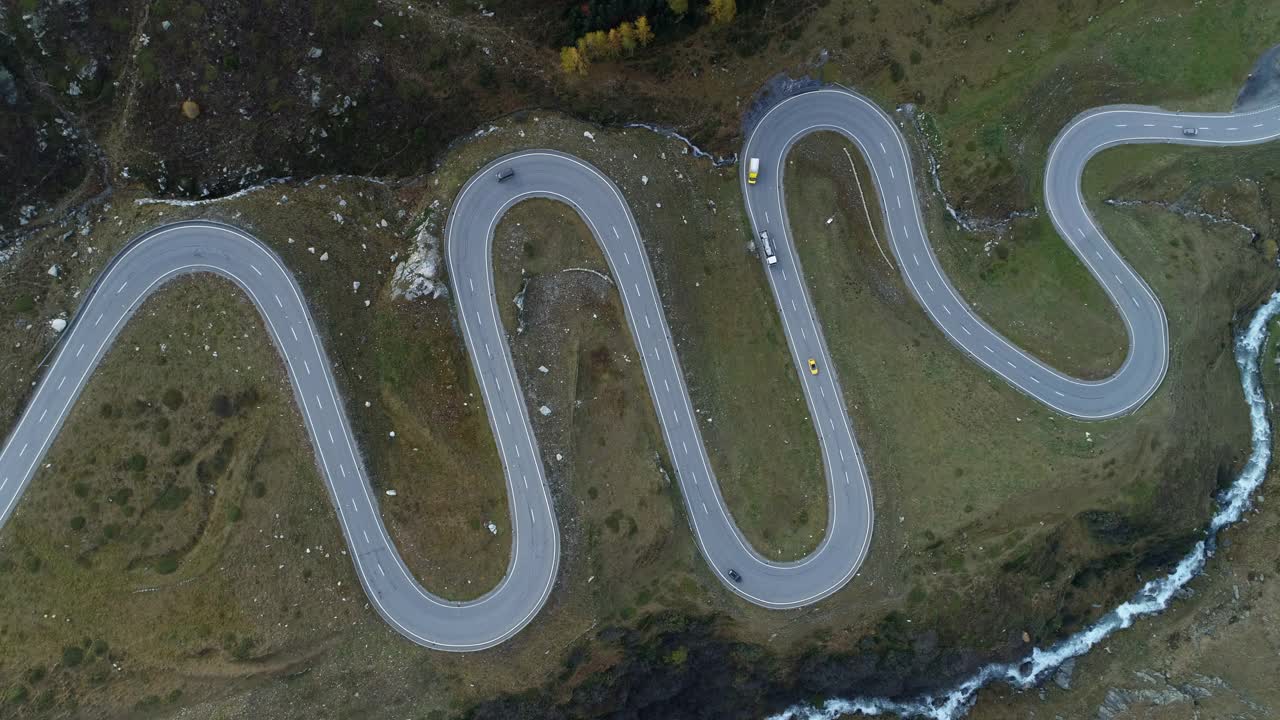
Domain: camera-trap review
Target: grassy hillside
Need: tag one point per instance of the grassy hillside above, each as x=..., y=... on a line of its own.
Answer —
x=181, y=587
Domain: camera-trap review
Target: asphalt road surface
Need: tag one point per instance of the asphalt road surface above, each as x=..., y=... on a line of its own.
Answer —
x=150, y=260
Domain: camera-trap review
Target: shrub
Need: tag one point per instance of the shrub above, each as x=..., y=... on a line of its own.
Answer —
x=916, y=57
x=181, y=457
x=100, y=647
x=259, y=489
x=34, y=674
x=77, y=522
x=24, y=303
x=31, y=563
x=72, y=656
x=137, y=462
x=167, y=565
x=172, y=398
x=234, y=513
x=17, y=695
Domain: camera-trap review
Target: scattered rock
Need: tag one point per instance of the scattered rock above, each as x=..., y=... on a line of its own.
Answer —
x=544, y=410
x=391, y=493
x=1062, y=678
x=324, y=257
x=543, y=369
x=644, y=179
x=190, y=109
x=8, y=87
x=55, y=271
x=315, y=53
x=588, y=136
x=492, y=528
x=166, y=25
x=355, y=284
x=391, y=434
x=58, y=324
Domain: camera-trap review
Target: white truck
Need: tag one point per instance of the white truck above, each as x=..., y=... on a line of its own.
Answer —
x=767, y=248
x=753, y=171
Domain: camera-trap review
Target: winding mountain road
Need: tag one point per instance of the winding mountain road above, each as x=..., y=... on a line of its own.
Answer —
x=166, y=252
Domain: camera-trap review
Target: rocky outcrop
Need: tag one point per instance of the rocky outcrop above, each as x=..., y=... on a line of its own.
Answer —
x=418, y=276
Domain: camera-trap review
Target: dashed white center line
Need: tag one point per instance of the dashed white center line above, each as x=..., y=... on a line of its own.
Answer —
x=666, y=384
x=685, y=445
x=278, y=301
x=832, y=423
x=929, y=284
x=293, y=331
x=318, y=402
x=1258, y=125
x=487, y=351
x=626, y=257
x=804, y=333
x=517, y=451
x=677, y=417
x=637, y=287
x=846, y=477
x=343, y=468
x=330, y=435
x=504, y=412
x=1080, y=232
x=704, y=509
x=46, y=412
x=95, y=322
x=944, y=307
x=1006, y=362
x=307, y=365
x=64, y=379
x=1122, y=125
x=384, y=572
x=532, y=518
x=899, y=199
x=1059, y=393
x=615, y=231
x=886, y=152
x=354, y=507
x=988, y=347
x=646, y=322
x=793, y=306
x=1095, y=252
x=1033, y=377
x=905, y=232
x=1232, y=129
x=823, y=391
x=966, y=329
x=23, y=451
x=655, y=353
x=891, y=173
x=122, y=287
x=525, y=478
x=916, y=258
x=81, y=349
x=366, y=537
x=1148, y=124
x=255, y=269
x=695, y=478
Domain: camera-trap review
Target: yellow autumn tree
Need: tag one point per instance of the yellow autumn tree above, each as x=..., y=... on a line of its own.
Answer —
x=597, y=44
x=627, y=35
x=644, y=34
x=572, y=61
x=615, y=43
x=678, y=7
x=722, y=11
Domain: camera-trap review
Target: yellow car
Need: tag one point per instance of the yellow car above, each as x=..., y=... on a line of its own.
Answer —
x=813, y=366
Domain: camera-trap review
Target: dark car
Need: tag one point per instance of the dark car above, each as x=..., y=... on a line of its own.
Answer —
x=1189, y=131
x=734, y=576
x=504, y=174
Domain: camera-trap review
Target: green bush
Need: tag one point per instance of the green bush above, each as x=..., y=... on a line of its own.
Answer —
x=137, y=462
x=167, y=565
x=172, y=398
x=259, y=489
x=234, y=514
x=34, y=674
x=17, y=695
x=100, y=647
x=77, y=522
x=72, y=656
x=24, y=303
